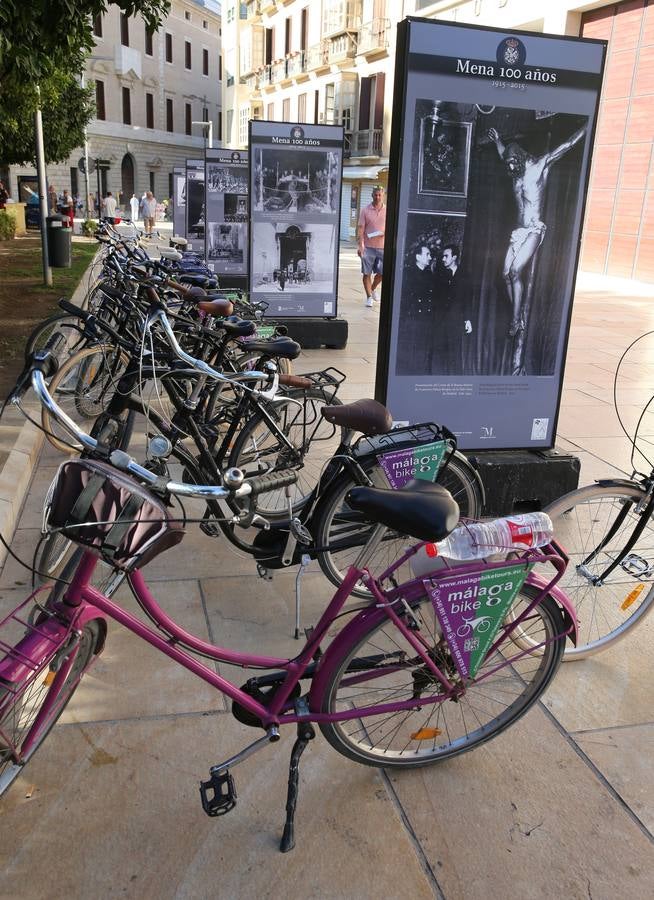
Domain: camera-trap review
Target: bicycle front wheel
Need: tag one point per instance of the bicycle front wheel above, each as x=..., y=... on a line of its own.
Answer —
x=301, y=439
x=19, y=707
x=341, y=532
x=381, y=667
x=608, y=606
x=83, y=388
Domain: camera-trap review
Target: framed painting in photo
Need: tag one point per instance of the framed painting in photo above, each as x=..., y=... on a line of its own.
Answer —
x=444, y=157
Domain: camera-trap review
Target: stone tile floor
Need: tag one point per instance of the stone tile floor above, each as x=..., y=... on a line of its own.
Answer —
x=560, y=805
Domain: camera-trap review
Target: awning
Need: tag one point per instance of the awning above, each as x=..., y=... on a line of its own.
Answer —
x=363, y=173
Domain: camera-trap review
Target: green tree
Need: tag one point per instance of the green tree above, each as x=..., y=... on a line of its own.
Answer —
x=45, y=43
x=66, y=109
x=40, y=37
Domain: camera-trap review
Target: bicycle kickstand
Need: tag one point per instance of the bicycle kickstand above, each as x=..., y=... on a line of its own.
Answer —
x=305, y=733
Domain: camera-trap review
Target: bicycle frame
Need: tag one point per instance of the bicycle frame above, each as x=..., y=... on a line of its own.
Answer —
x=82, y=602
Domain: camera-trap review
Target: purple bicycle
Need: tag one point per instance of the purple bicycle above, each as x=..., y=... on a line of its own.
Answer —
x=395, y=687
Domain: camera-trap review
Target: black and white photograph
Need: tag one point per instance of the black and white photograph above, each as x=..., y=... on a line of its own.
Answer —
x=226, y=179
x=236, y=207
x=195, y=203
x=444, y=153
x=226, y=242
x=521, y=171
x=435, y=316
x=296, y=181
x=293, y=258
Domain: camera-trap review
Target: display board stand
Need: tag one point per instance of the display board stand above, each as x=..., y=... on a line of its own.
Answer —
x=313, y=333
x=517, y=481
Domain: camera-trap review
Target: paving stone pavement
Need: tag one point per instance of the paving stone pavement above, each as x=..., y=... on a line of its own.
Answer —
x=560, y=805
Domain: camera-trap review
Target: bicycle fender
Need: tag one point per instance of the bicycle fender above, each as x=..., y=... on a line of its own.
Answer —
x=355, y=629
x=562, y=600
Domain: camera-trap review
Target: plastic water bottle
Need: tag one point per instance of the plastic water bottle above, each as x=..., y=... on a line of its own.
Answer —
x=480, y=540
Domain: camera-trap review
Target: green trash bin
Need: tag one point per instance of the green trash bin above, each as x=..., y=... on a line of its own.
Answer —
x=60, y=241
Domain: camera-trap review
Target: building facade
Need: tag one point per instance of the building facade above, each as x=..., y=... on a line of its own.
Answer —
x=328, y=62
x=618, y=236
x=333, y=61
x=150, y=91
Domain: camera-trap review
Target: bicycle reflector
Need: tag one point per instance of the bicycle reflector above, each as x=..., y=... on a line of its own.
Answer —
x=426, y=734
x=632, y=597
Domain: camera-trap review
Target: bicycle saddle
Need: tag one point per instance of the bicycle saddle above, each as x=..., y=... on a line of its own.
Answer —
x=202, y=281
x=421, y=509
x=366, y=416
x=235, y=327
x=281, y=347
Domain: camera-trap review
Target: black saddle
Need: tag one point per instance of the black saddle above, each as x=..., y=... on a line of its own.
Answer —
x=366, y=416
x=197, y=280
x=235, y=327
x=280, y=347
x=421, y=509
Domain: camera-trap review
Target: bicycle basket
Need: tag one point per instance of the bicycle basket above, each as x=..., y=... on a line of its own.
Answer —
x=112, y=514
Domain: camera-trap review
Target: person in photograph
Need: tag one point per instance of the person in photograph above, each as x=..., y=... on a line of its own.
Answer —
x=420, y=330
x=370, y=247
x=451, y=313
x=529, y=175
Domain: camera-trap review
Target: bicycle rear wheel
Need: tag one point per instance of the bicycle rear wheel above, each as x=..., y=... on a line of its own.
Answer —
x=380, y=666
x=21, y=704
x=609, y=609
x=341, y=531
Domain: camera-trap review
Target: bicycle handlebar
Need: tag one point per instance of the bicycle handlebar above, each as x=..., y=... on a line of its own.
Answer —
x=122, y=460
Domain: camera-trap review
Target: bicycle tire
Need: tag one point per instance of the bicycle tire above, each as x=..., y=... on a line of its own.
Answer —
x=340, y=532
x=22, y=707
x=69, y=326
x=257, y=450
x=518, y=684
x=68, y=387
x=581, y=519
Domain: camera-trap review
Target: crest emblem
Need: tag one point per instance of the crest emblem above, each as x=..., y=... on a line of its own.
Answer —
x=511, y=52
x=297, y=133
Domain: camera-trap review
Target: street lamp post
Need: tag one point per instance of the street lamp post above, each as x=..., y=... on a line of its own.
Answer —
x=208, y=131
x=43, y=191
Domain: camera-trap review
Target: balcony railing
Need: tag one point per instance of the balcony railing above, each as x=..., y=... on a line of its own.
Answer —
x=367, y=143
x=296, y=64
x=318, y=56
x=343, y=47
x=278, y=71
x=253, y=9
x=374, y=35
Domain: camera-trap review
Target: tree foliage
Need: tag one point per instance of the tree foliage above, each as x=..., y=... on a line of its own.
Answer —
x=66, y=108
x=39, y=37
x=45, y=43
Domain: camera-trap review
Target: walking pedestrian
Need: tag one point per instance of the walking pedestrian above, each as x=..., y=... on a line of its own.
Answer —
x=134, y=206
x=68, y=207
x=371, y=230
x=4, y=195
x=149, y=213
x=109, y=205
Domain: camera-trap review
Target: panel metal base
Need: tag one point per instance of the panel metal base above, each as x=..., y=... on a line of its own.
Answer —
x=524, y=480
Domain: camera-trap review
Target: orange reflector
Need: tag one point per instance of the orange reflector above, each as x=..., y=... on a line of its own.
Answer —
x=632, y=597
x=49, y=678
x=426, y=734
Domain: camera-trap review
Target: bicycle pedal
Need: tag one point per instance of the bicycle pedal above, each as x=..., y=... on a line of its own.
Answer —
x=218, y=795
x=210, y=528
